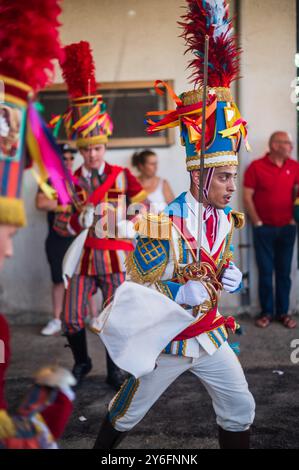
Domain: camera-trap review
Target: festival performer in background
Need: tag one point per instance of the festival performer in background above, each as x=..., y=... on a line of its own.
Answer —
x=183, y=258
x=25, y=68
x=57, y=242
x=100, y=260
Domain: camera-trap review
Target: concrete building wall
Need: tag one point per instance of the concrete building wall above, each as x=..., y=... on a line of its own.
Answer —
x=138, y=40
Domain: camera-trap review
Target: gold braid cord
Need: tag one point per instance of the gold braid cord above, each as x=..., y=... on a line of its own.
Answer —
x=207, y=277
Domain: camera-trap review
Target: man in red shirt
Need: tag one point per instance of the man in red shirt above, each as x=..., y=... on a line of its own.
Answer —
x=269, y=185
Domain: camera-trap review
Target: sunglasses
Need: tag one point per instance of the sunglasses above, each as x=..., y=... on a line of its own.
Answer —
x=70, y=159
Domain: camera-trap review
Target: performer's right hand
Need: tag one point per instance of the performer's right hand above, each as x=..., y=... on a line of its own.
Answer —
x=86, y=217
x=192, y=293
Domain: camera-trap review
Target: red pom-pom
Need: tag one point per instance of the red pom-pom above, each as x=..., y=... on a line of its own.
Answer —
x=78, y=70
x=29, y=40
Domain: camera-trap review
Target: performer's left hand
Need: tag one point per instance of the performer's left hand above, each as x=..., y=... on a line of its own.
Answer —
x=231, y=278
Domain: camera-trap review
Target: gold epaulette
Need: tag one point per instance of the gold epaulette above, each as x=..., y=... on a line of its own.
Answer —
x=154, y=226
x=239, y=219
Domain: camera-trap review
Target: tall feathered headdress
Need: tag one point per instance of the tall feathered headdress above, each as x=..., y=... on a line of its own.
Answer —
x=86, y=121
x=211, y=17
x=224, y=124
x=29, y=41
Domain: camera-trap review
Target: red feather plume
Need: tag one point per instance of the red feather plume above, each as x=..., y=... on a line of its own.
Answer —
x=29, y=40
x=78, y=70
x=211, y=17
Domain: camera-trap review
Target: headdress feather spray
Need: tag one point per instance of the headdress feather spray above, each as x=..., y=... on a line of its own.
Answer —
x=211, y=17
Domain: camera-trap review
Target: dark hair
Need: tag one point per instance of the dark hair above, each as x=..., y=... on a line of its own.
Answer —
x=139, y=158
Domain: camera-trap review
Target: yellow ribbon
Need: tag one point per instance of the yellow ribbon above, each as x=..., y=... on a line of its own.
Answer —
x=231, y=131
x=87, y=117
x=35, y=153
x=49, y=192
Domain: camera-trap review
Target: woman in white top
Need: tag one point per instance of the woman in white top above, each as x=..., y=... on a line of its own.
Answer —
x=158, y=189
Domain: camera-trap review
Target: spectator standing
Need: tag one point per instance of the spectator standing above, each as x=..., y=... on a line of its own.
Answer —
x=158, y=190
x=269, y=185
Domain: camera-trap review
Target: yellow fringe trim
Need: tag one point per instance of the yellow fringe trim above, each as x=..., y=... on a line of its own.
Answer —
x=7, y=427
x=95, y=140
x=195, y=96
x=12, y=212
x=210, y=155
x=154, y=226
x=212, y=165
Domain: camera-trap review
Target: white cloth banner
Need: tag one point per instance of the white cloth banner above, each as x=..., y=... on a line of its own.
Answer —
x=138, y=325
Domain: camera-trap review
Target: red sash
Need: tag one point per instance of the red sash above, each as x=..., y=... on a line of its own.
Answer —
x=98, y=195
x=108, y=244
x=95, y=198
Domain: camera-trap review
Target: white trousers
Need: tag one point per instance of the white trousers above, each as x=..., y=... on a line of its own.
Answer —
x=221, y=374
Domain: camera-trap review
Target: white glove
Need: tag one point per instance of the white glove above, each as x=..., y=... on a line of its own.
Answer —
x=86, y=217
x=192, y=293
x=125, y=229
x=232, y=278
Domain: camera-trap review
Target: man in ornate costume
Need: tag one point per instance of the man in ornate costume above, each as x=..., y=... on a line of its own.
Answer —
x=104, y=190
x=186, y=255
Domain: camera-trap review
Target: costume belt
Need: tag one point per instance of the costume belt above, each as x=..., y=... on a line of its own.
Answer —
x=108, y=244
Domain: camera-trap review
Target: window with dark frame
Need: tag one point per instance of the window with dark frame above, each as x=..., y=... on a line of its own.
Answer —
x=127, y=103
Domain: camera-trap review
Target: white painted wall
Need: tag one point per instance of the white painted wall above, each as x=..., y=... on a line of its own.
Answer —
x=138, y=40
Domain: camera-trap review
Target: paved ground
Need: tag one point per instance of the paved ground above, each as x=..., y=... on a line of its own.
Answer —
x=183, y=417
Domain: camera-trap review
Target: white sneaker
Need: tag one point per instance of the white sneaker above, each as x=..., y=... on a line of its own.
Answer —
x=52, y=328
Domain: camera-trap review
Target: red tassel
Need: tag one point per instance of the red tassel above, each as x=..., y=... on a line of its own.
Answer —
x=78, y=70
x=29, y=40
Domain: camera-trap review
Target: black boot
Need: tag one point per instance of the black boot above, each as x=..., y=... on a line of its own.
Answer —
x=234, y=440
x=115, y=375
x=83, y=364
x=108, y=437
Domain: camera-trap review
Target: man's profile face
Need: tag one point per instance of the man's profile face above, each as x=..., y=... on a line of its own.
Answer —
x=222, y=187
x=93, y=156
x=6, y=246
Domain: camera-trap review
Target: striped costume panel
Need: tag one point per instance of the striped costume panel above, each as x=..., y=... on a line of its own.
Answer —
x=78, y=293
x=100, y=262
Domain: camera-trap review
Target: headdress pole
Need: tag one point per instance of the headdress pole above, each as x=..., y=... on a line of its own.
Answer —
x=203, y=150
